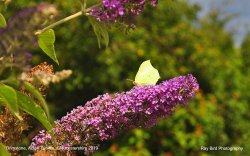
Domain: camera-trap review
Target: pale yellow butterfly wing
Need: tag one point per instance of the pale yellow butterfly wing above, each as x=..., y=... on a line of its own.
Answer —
x=147, y=74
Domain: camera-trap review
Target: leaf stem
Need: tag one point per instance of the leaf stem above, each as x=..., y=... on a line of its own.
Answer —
x=60, y=22
x=80, y=13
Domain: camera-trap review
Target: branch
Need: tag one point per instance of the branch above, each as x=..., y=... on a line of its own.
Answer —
x=83, y=12
x=60, y=22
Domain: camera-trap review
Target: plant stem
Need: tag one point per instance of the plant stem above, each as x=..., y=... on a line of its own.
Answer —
x=60, y=22
x=80, y=13
x=84, y=5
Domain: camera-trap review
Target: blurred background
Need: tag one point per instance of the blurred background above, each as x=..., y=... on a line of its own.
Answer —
x=209, y=39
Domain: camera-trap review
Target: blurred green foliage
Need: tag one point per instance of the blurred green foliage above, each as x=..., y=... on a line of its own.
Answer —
x=177, y=43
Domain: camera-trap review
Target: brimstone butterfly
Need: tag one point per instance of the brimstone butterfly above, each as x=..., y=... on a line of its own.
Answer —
x=146, y=75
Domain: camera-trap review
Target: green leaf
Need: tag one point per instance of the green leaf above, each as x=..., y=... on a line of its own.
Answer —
x=8, y=98
x=3, y=23
x=147, y=74
x=3, y=150
x=101, y=31
x=37, y=95
x=46, y=42
x=29, y=106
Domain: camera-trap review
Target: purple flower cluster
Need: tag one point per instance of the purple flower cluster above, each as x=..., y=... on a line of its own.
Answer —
x=108, y=115
x=113, y=10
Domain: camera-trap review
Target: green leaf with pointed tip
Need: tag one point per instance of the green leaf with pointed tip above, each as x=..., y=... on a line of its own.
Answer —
x=36, y=94
x=101, y=31
x=147, y=74
x=46, y=42
x=8, y=98
x=29, y=106
x=3, y=23
x=3, y=150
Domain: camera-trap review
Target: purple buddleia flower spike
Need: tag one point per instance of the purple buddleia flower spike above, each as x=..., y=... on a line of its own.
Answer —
x=117, y=10
x=108, y=115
